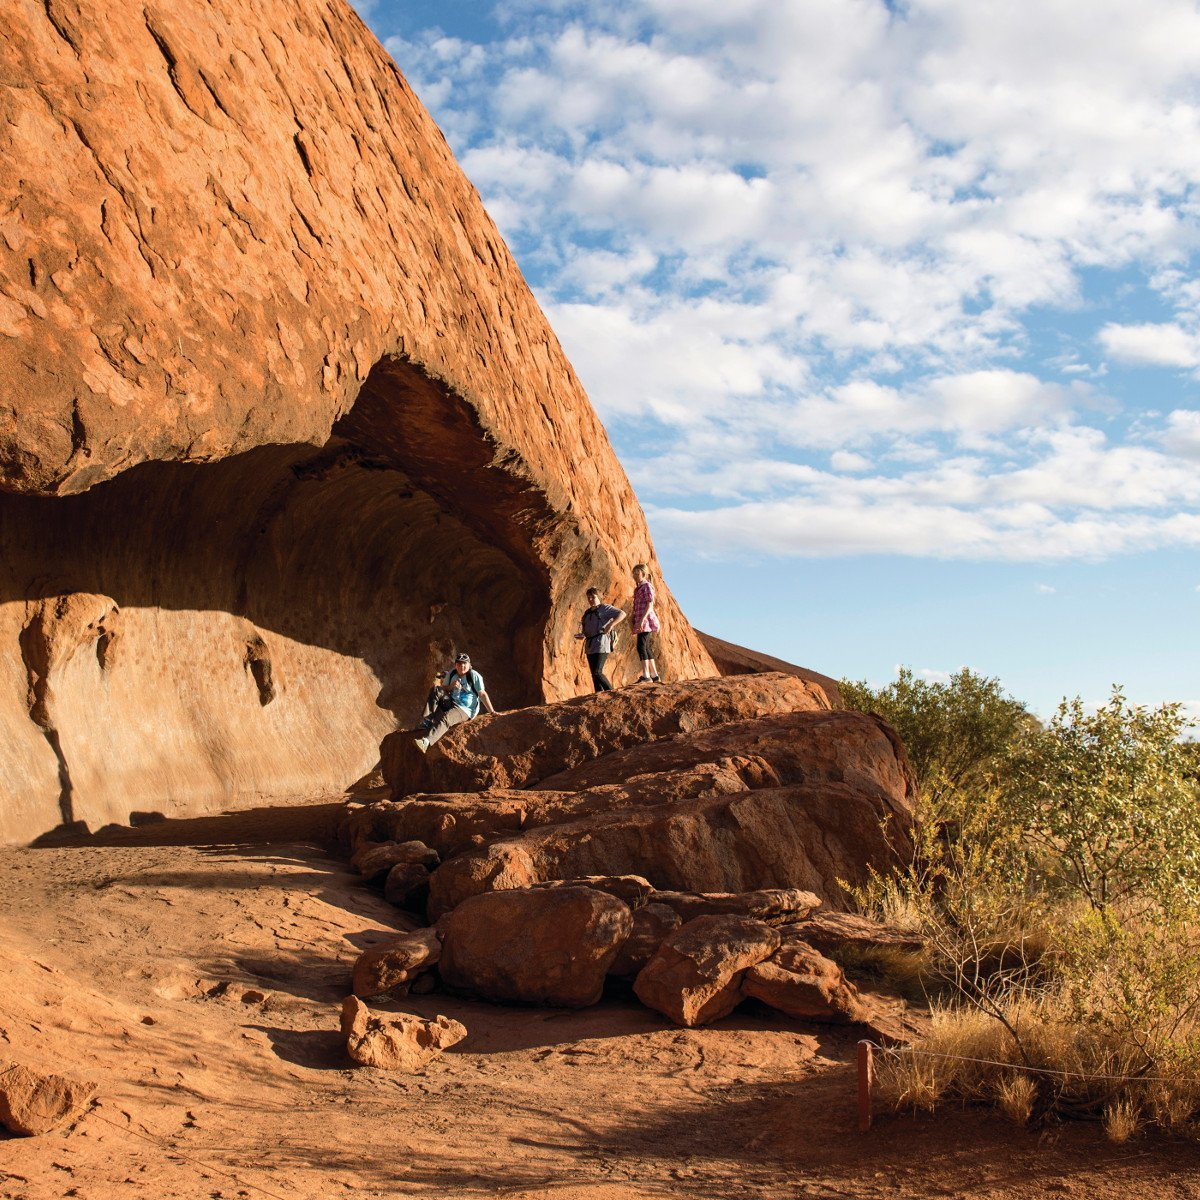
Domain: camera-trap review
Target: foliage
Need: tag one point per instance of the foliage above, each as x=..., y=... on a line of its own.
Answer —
x=1109, y=795
x=1056, y=883
x=954, y=732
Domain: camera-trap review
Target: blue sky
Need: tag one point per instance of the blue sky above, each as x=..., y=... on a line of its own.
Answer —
x=890, y=309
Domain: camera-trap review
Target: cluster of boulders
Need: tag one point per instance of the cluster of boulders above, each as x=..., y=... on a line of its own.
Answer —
x=692, y=840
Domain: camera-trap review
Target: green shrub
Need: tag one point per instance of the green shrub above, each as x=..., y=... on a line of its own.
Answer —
x=1111, y=797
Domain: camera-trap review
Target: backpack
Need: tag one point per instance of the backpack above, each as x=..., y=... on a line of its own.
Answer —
x=469, y=678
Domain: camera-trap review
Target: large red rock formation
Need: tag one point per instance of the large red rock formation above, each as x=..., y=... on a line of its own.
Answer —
x=518, y=750
x=281, y=425
x=704, y=802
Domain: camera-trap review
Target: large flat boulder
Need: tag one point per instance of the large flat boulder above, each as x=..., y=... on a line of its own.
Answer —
x=453, y=821
x=802, y=746
x=521, y=749
x=793, y=837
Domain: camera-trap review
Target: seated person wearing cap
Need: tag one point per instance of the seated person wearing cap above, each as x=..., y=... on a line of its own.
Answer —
x=462, y=692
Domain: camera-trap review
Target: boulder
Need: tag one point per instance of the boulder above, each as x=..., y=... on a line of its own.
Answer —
x=551, y=946
x=405, y=884
x=799, y=981
x=651, y=925
x=803, y=746
x=396, y=1041
x=371, y=861
x=803, y=838
x=830, y=932
x=395, y=964
x=32, y=1102
x=695, y=976
x=452, y=821
x=496, y=868
x=520, y=749
x=633, y=889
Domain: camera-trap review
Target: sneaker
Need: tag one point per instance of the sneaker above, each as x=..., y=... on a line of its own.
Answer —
x=655, y=679
x=422, y=744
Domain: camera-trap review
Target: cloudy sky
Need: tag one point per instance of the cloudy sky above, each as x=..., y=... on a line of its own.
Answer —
x=890, y=308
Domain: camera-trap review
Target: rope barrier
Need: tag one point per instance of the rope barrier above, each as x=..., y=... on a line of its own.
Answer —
x=160, y=1144
x=1017, y=1066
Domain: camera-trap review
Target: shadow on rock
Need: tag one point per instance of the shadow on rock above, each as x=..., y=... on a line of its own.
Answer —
x=314, y=823
x=317, y=1049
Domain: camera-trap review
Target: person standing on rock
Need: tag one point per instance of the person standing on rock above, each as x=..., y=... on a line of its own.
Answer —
x=596, y=627
x=464, y=693
x=645, y=622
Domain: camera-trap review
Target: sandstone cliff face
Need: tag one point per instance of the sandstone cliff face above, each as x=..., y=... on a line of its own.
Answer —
x=281, y=425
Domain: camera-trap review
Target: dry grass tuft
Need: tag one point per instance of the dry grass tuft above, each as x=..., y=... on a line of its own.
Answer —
x=903, y=969
x=1016, y=1095
x=1070, y=1067
x=1122, y=1119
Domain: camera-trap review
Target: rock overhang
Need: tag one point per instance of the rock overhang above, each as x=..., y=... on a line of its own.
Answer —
x=277, y=395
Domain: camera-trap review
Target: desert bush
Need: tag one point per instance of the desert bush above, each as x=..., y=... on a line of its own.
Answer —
x=955, y=732
x=1047, y=1055
x=1056, y=883
x=1110, y=796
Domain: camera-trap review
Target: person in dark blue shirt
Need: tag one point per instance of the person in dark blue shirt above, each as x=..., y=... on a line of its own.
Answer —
x=595, y=628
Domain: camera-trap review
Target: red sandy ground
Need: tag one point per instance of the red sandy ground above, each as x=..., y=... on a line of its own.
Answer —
x=195, y=969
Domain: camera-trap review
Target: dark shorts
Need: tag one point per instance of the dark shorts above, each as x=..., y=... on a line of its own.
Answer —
x=647, y=645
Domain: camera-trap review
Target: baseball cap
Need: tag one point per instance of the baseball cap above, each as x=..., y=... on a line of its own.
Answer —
x=463, y=658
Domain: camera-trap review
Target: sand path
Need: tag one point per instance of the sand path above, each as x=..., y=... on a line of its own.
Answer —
x=195, y=970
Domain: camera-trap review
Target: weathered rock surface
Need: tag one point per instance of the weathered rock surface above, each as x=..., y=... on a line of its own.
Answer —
x=520, y=749
x=651, y=925
x=545, y=946
x=396, y=1041
x=805, y=838
x=830, y=932
x=800, y=746
x=453, y=821
x=805, y=984
x=695, y=976
x=374, y=860
x=395, y=964
x=255, y=325
x=738, y=803
x=632, y=889
x=32, y=1102
x=771, y=905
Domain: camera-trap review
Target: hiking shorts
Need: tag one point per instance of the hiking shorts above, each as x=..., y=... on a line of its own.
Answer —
x=647, y=645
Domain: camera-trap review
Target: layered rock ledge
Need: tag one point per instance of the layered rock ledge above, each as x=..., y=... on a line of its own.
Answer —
x=726, y=785
x=692, y=840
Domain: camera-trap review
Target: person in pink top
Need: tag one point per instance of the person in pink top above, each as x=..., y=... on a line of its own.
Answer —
x=645, y=622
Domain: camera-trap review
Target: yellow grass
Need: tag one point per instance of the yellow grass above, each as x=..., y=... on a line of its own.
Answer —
x=1068, y=1068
